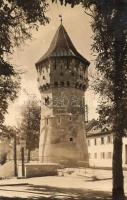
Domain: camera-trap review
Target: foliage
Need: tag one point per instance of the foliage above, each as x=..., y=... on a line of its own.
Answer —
x=109, y=25
x=9, y=87
x=30, y=124
x=17, y=19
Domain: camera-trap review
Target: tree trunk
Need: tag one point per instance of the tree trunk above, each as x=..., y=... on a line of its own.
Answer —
x=29, y=155
x=118, y=179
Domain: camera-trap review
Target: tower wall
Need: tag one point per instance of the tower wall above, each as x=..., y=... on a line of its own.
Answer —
x=62, y=84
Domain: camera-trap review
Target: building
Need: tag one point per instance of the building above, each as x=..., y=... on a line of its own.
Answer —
x=100, y=146
x=63, y=80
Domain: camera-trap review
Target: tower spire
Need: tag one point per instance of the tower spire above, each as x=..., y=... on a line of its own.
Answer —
x=61, y=19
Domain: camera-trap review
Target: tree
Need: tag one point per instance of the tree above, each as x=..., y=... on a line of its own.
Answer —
x=30, y=125
x=110, y=43
x=17, y=19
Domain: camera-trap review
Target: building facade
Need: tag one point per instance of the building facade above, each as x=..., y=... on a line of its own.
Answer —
x=100, y=147
x=63, y=80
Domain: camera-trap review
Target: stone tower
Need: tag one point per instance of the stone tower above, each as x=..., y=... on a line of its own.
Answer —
x=63, y=80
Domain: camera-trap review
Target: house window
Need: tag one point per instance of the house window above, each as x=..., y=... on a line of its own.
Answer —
x=95, y=155
x=43, y=77
x=102, y=155
x=109, y=139
x=95, y=141
x=46, y=121
x=102, y=140
x=88, y=142
x=109, y=155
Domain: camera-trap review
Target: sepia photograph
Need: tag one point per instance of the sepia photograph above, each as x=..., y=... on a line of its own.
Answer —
x=63, y=99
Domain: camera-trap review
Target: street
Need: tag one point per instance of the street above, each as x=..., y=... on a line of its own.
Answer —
x=81, y=184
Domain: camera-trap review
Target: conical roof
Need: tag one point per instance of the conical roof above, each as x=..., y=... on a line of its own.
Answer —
x=62, y=46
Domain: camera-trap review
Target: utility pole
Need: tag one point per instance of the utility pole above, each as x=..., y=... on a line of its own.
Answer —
x=22, y=157
x=15, y=156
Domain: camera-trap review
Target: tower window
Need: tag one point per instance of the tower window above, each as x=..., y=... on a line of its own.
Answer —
x=84, y=87
x=56, y=84
x=72, y=74
x=47, y=100
x=71, y=139
x=81, y=76
x=76, y=85
x=68, y=83
x=59, y=120
x=62, y=83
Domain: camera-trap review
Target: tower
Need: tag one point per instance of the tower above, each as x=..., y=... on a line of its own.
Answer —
x=63, y=80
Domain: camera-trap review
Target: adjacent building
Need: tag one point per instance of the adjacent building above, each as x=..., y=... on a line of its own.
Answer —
x=100, y=146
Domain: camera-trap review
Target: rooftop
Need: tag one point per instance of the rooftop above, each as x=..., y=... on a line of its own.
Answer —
x=62, y=46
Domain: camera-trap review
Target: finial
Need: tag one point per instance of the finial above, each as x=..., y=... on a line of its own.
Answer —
x=60, y=16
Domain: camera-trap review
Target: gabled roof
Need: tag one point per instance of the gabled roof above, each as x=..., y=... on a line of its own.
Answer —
x=62, y=45
x=93, y=129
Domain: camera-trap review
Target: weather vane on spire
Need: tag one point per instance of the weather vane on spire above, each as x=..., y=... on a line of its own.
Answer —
x=61, y=19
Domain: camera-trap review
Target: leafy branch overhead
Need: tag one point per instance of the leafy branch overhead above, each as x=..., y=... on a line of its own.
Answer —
x=17, y=19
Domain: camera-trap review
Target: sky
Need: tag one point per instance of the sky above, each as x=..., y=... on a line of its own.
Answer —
x=77, y=24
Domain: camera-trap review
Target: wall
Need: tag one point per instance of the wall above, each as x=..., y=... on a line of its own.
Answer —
x=100, y=155
x=62, y=84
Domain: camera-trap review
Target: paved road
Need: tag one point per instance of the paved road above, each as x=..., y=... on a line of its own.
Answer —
x=79, y=185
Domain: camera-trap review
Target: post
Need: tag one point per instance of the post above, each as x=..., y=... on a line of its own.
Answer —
x=15, y=156
x=22, y=157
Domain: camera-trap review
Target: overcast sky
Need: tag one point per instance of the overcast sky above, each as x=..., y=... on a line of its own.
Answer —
x=76, y=23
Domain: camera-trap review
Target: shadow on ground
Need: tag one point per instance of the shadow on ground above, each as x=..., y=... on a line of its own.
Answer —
x=52, y=193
